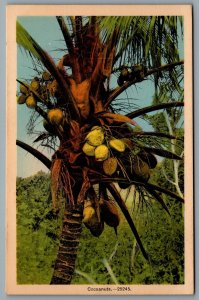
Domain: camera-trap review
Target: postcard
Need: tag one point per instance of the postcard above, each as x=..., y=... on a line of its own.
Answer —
x=99, y=150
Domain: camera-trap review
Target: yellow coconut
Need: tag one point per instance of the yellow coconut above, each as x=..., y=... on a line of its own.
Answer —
x=31, y=102
x=91, y=220
x=117, y=144
x=95, y=137
x=45, y=76
x=88, y=149
x=23, y=89
x=88, y=214
x=55, y=116
x=110, y=165
x=35, y=84
x=101, y=152
x=21, y=99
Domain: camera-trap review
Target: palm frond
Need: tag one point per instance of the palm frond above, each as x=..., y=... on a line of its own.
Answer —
x=162, y=152
x=158, y=198
x=35, y=153
x=153, y=133
x=118, y=90
x=112, y=189
x=66, y=34
x=137, y=183
x=152, y=108
x=140, y=34
x=41, y=137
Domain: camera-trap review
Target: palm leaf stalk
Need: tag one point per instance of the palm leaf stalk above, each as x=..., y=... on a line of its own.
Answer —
x=35, y=153
x=116, y=92
x=152, y=108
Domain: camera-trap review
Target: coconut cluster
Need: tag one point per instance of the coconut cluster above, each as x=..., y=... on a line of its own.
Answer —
x=26, y=96
x=94, y=216
x=45, y=86
x=98, y=145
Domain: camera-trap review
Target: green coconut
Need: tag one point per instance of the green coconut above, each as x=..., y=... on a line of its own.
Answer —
x=140, y=169
x=21, y=99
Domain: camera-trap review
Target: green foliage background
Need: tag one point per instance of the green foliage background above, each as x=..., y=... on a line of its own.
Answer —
x=38, y=238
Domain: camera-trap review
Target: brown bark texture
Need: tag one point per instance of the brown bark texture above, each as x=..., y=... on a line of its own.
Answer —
x=69, y=241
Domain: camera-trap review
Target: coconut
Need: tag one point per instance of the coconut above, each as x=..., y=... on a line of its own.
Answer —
x=21, y=99
x=97, y=228
x=124, y=185
x=117, y=144
x=53, y=87
x=95, y=137
x=49, y=127
x=35, y=84
x=140, y=169
x=48, y=86
x=148, y=158
x=88, y=214
x=88, y=149
x=91, y=220
x=101, y=152
x=110, y=165
x=55, y=116
x=124, y=73
x=110, y=213
x=44, y=96
x=31, y=102
x=23, y=89
x=45, y=76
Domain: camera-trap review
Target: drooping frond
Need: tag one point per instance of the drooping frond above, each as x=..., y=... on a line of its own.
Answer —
x=152, y=108
x=150, y=38
x=35, y=153
x=112, y=189
x=127, y=83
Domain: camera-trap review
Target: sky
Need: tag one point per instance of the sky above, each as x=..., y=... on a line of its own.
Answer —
x=46, y=32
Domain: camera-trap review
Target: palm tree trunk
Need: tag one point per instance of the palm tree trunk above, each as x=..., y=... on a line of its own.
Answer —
x=69, y=241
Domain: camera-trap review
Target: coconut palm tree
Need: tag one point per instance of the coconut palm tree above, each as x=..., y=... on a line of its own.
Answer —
x=95, y=145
